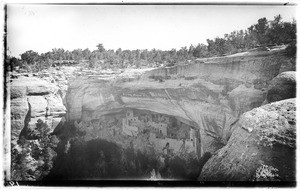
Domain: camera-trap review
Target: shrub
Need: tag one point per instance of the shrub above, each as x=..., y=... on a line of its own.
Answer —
x=32, y=159
x=266, y=173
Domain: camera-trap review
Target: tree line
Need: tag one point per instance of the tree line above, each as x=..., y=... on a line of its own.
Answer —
x=262, y=34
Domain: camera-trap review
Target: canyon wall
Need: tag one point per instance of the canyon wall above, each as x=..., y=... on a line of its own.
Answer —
x=212, y=93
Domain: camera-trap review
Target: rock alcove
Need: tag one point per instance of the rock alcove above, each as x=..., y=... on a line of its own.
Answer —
x=137, y=142
x=161, y=123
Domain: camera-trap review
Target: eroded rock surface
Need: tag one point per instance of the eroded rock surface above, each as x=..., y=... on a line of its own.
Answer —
x=33, y=99
x=262, y=147
x=36, y=110
x=282, y=87
x=212, y=93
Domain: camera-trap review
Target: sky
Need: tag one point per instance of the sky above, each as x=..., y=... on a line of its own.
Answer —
x=43, y=27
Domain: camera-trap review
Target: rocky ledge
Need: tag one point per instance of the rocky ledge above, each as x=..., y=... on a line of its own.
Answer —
x=261, y=148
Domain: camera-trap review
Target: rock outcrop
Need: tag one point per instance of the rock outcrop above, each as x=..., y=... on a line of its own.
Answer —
x=212, y=93
x=262, y=147
x=33, y=99
x=282, y=87
x=36, y=110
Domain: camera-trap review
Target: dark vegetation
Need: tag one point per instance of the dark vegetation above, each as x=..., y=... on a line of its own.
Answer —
x=32, y=158
x=262, y=34
x=100, y=159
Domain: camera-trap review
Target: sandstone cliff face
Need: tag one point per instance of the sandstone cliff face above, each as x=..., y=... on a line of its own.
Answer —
x=212, y=93
x=39, y=96
x=261, y=148
x=36, y=110
x=33, y=99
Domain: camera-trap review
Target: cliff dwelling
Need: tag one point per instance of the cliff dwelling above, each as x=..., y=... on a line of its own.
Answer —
x=154, y=128
x=159, y=101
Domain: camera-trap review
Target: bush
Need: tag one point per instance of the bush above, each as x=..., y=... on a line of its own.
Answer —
x=35, y=67
x=32, y=159
x=266, y=173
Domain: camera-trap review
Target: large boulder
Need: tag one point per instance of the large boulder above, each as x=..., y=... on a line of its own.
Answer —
x=262, y=147
x=282, y=87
